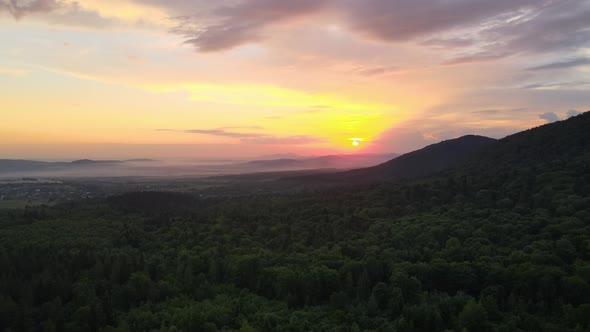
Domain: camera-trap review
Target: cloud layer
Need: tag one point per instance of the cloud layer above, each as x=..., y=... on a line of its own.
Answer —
x=511, y=25
x=19, y=8
x=476, y=29
x=402, y=73
x=251, y=137
x=572, y=63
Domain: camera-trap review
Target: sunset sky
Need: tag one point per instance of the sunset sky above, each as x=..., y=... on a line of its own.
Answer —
x=245, y=78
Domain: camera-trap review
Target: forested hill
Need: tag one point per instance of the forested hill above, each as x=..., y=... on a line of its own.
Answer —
x=551, y=145
x=499, y=244
x=429, y=160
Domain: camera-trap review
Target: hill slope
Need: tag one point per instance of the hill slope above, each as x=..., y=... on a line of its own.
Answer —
x=533, y=149
x=429, y=160
x=331, y=161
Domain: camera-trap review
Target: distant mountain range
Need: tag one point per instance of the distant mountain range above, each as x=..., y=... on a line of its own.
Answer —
x=347, y=161
x=150, y=167
x=16, y=165
x=431, y=159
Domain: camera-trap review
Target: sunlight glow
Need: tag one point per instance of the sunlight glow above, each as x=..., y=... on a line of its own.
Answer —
x=262, y=95
x=127, y=11
x=356, y=141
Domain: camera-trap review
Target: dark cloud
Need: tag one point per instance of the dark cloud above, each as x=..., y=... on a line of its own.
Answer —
x=513, y=26
x=60, y=12
x=493, y=29
x=563, y=64
x=549, y=117
x=220, y=37
x=244, y=22
x=403, y=20
x=20, y=8
x=384, y=20
x=554, y=26
x=475, y=30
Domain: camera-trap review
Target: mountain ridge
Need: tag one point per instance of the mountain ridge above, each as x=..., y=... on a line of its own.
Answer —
x=423, y=162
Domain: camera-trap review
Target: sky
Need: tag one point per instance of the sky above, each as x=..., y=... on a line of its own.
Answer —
x=247, y=78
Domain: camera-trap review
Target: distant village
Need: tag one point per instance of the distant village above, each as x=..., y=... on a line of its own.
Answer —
x=41, y=190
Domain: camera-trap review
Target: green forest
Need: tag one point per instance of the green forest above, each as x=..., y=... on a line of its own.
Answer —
x=500, y=242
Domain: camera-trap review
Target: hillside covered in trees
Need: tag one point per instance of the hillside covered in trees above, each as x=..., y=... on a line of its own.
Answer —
x=421, y=163
x=500, y=242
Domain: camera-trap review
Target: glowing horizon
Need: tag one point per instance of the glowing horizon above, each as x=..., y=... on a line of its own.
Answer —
x=105, y=79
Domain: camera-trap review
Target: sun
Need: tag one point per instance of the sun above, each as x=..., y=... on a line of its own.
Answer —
x=355, y=141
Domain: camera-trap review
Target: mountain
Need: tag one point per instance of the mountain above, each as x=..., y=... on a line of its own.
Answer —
x=345, y=161
x=94, y=162
x=141, y=160
x=31, y=166
x=150, y=167
x=429, y=160
x=280, y=156
x=273, y=163
x=15, y=165
x=473, y=155
x=532, y=149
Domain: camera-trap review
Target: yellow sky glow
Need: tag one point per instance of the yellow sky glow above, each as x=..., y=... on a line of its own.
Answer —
x=118, y=72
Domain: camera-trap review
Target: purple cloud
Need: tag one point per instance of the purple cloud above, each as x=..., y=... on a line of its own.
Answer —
x=484, y=26
x=476, y=57
x=394, y=21
x=564, y=64
x=244, y=22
